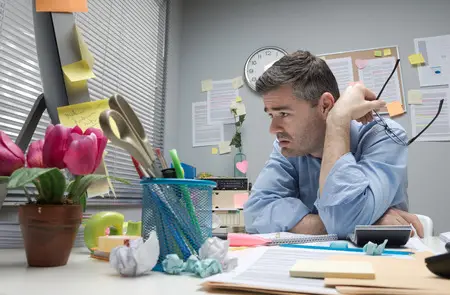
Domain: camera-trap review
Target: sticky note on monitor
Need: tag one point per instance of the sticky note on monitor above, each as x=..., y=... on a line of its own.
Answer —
x=377, y=53
x=207, y=85
x=395, y=108
x=415, y=96
x=416, y=59
x=224, y=147
x=319, y=269
x=387, y=52
x=239, y=200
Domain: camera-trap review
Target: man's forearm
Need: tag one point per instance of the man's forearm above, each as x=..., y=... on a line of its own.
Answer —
x=337, y=144
x=311, y=224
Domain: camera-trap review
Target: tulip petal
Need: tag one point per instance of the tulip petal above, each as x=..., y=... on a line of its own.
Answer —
x=49, y=129
x=81, y=154
x=77, y=130
x=11, y=156
x=102, y=140
x=55, y=146
x=11, y=146
x=35, y=155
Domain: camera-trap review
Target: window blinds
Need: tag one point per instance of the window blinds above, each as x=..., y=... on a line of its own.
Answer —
x=127, y=39
x=20, y=82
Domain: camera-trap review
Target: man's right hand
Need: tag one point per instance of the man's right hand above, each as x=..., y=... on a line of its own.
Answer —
x=398, y=217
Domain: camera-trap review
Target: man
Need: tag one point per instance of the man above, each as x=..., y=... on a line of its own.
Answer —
x=333, y=166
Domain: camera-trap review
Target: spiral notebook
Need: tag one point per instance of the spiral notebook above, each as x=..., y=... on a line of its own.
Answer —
x=290, y=238
x=237, y=239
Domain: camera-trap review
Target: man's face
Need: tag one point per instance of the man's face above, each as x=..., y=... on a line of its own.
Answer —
x=299, y=127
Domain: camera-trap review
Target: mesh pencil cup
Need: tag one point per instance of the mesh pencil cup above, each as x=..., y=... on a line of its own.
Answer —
x=180, y=211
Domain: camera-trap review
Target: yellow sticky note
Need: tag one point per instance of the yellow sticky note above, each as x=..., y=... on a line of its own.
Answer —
x=395, y=108
x=86, y=55
x=387, y=52
x=207, y=85
x=237, y=82
x=78, y=71
x=377, y=53
x=238, y=99
x=224, y=147
x=414, y=96
x=61, y=6
x=85, y=115
x=214, y=151
x=416, y=59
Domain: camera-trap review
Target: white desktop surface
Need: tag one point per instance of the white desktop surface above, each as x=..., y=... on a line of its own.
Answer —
x=84, y=275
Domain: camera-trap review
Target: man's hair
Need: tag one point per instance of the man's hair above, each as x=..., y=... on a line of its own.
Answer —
x=308, y=75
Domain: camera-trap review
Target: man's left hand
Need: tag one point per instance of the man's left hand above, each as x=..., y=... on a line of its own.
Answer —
x=399, y=217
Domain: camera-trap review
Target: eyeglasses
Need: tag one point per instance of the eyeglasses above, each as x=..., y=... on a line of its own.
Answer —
x=380, y=121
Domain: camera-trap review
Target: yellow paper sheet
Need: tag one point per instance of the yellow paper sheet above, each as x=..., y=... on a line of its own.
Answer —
x=84, y=115
x=377, y=53
x=237, y=82
x=207, y=85
x=86, y=55
x=387, y=52
x=78, y=71
x=224, y=147
x=214, y=151
x=416, y=59
x=61, y=6
x=238, y=99
x=414, y=96
x=394, y=108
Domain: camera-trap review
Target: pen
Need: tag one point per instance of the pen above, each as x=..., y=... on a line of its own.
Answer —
x=161, y=158
x=138, y=168
x=360, y=250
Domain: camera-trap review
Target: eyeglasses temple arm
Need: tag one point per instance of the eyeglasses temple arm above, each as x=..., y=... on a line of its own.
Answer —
x=387, y=81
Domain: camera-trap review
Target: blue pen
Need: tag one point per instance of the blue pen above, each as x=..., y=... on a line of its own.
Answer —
x=385, y=252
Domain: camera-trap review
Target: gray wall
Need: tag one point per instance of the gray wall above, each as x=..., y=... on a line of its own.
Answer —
x=218, y=36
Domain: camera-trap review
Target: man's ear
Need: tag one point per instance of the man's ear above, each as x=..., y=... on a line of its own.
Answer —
x=326, y=103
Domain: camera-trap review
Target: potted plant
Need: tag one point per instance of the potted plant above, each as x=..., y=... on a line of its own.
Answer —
x=237, y=108
x=49, y=221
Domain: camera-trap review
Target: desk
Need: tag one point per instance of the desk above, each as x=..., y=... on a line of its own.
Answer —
x=83, y=275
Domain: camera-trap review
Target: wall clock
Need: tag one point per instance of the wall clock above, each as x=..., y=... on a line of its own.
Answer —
x=260, y=58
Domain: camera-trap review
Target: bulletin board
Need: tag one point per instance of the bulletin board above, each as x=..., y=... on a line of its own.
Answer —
x=370, y=54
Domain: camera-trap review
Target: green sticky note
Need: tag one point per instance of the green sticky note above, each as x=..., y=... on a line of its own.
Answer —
x=378, y=53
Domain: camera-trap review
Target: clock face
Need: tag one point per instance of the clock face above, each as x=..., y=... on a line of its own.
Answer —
x=258, y=61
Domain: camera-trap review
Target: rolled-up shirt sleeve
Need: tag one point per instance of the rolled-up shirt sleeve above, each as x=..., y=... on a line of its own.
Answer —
x=274, y=204
x=359, y=193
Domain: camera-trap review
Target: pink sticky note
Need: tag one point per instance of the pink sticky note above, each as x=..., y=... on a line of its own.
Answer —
x=242, y=166
x=361, y=63
x=239, y=200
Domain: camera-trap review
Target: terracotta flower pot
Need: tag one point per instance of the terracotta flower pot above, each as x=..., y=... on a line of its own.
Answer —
x=49, y=232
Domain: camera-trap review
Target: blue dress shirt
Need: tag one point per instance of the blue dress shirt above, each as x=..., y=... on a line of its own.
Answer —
x=360, y=187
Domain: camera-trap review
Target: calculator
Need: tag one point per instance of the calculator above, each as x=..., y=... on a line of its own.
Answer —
x=397, y=235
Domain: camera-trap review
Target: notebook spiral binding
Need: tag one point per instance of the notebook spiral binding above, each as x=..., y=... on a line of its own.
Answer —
x=303, y=240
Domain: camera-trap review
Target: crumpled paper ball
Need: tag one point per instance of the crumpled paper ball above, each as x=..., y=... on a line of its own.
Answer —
x=215, y=248
x=374, y=249
x=173, y=265
x=207, y=267
x=137, y=259
x=191, y=264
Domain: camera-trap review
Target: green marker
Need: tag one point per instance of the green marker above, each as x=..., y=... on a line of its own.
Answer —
x=176, y=163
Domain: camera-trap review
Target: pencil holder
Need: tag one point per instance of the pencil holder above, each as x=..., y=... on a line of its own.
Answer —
x=180, y=211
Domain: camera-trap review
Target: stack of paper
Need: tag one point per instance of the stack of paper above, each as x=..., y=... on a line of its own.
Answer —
x=11, y=236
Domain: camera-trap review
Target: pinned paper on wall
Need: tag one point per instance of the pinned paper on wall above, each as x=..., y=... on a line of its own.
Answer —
x=78, y=71
x=240, y=200
x=204, y=134
x=224, y=147
x=378, y=53
x=61, y=6
x=207, y=85
x=219, y=100
x=238, y=99
x=387, y=52
x=394, y=108
x=86, y=55
x=416, y=59
x=342, y=69
x=237, y=82
x=214, y=151
x=414, y=96
x=85, y=115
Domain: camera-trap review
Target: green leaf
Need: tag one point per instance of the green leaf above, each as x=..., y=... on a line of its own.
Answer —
x=236, y=141
x=23, y=176
x=4, y=179
x=241, y=119
x=53, y=185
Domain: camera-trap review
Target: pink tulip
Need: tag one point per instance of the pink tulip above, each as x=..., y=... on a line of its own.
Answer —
x=34, y=155
x=11, y=156
x=56, y=144
x=85, y=152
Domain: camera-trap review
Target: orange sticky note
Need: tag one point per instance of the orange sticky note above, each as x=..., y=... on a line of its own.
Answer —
x=61, y=6
x=395, y=108
x=239, y=200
